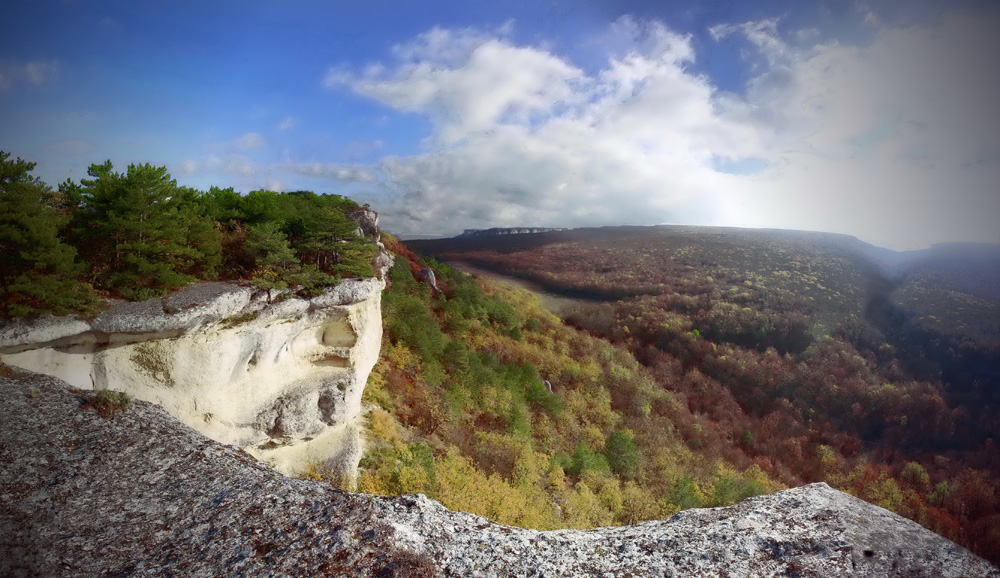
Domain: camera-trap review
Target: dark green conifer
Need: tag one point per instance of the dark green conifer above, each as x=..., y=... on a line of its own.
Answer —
x=143, y=235
x=38, y=273
x=274, y=261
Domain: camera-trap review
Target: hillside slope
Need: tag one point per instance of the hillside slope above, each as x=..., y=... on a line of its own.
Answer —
x=486, y=401
x=816, y=356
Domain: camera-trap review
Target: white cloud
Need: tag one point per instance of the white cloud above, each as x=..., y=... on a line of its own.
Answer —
x=882, y=141
x=890, y=141
x=287, y=123
x=250, y=140
x=234, y=164
x=523, y=136
x=468, y=82
x=41, y=71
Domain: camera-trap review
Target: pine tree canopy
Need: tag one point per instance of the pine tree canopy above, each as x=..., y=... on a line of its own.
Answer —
x=136, y=234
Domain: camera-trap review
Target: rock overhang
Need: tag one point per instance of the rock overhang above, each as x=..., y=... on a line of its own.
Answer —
x=260, y=369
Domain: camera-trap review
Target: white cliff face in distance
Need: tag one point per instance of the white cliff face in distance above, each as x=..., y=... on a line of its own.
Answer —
x=277, y=375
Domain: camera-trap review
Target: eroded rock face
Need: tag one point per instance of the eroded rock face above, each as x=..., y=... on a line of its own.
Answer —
x=275, y=374
x=140, y=494
x=367, y=221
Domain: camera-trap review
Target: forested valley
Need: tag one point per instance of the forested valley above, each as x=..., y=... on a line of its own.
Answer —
x=797, y=356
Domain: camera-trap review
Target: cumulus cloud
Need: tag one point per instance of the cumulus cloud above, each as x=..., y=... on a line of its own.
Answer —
x=234, y=164
x=882, y=141
x=287, y=123
x=468, y=82
x=522, y=136
x=189, y=167
x=895, y=141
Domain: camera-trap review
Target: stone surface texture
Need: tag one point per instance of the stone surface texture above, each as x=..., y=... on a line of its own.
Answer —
x=278, y=375
x=367, y=221
x=141, y=494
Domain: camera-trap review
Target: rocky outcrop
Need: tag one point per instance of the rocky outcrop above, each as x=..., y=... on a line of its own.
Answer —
x=278, y=375
x=367, y=221
x=140, y=494
x=430, y=278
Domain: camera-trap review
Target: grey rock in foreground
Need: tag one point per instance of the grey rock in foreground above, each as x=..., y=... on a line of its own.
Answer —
x=140, y=494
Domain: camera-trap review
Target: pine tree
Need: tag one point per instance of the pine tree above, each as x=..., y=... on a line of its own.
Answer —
x=143, y=235
x=324, y=237
x=275, y=262
x=38, y=273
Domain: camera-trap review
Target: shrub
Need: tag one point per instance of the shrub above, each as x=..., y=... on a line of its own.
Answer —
x=109, y=403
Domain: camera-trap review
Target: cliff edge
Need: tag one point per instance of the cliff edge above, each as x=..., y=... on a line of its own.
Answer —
x=141, y=494
x=278, y=375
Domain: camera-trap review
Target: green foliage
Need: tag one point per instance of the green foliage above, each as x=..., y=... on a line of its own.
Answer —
x=109, y=403
x=463, y=372
x=916, y=475
x=410, y=322
x=621, y=453
x=274, y=261
x=400, y=272
x=777, y=349
x=585, y=459
x=38, y=271
x=540, y=397
x=684, y=493
x=940, y=494
x=141, y=233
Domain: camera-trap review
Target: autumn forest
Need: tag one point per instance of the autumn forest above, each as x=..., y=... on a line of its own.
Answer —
x=804, y=356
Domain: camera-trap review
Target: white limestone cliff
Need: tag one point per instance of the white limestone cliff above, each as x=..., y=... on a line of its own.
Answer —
x=277, y=375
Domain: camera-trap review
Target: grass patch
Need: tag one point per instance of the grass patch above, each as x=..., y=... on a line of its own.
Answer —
x=109, y=403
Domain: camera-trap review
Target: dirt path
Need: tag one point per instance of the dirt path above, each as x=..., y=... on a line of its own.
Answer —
x=557, y=304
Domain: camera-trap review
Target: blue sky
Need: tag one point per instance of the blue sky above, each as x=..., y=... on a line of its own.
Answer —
x=875, y=119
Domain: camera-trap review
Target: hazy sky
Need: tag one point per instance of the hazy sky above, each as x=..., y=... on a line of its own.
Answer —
x=876, y=119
